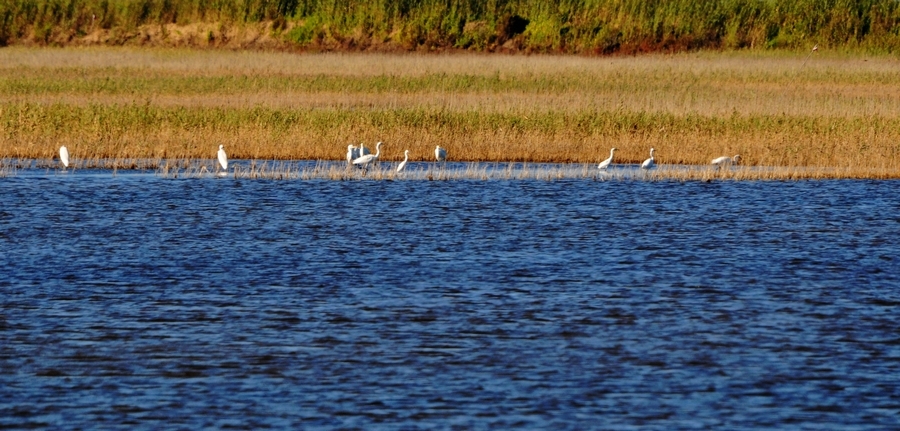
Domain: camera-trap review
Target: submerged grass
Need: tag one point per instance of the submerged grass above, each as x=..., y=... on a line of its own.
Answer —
x=835, y=114
x=507, y=172
x=432, y=171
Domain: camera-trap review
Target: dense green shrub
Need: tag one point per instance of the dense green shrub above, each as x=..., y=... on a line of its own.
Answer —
x=576, y=26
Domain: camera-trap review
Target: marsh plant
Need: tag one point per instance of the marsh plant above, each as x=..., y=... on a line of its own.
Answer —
x=837, y=113
x=594, y=27
x=336, y=171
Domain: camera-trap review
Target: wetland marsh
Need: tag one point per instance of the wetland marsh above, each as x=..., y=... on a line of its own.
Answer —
x=515, y=286
x=833, y=111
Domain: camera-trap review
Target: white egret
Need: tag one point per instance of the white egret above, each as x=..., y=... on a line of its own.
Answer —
x=403, y=163
x=64, y=156
x=440, y=154
x=364, y=161
x=223, y=158
x=649, y=163
x=605, y=164
x=726, y=161
x=362, y=151
x=351, y=153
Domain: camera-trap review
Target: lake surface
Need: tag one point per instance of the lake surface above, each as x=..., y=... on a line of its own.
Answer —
x=135, y=301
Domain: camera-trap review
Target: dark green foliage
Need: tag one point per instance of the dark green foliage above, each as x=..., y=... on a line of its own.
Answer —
x=574, y=26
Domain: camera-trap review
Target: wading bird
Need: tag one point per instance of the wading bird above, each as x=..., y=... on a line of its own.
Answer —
x=352, y=153
x=440, y=154
x=64, y=156
x=362, y=151
x=649, y=163
x=726, y=161
x=403, y=163
x=364, y=161
x=605, y=164
x=223, y=158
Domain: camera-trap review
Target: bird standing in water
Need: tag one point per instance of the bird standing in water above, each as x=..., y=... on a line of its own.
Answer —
x=223, y=158
x=726, y=161
x=403, y=163
x=64, y=156
x=649, y=163
x=605, y=164
x=365, y=161
x=352, y=153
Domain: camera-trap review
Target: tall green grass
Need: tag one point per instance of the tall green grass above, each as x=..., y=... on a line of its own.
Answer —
x=572, y=26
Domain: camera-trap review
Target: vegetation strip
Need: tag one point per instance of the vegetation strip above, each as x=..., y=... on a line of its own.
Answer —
x=596, y=27
x=837, y=112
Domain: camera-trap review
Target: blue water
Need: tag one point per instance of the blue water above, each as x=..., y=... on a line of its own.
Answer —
x=134, y=301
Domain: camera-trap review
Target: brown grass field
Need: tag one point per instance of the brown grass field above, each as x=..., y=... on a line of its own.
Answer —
x=811, y=115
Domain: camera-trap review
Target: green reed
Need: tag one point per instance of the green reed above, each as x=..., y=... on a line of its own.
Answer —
x=571, y=26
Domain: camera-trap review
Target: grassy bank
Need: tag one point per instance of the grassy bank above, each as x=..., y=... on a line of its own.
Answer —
x=597, y=27
x=827, y=110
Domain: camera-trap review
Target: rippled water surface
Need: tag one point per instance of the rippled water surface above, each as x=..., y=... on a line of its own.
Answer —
x=139, y=301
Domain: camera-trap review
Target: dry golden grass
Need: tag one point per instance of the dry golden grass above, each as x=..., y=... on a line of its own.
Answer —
x=837, y=113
